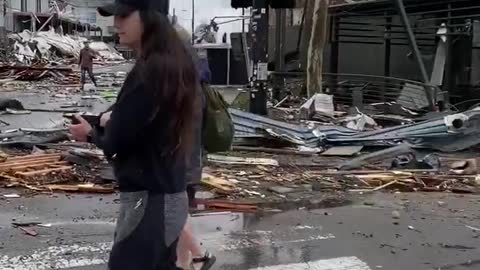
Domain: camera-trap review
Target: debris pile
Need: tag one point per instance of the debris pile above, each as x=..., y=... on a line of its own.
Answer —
x=36, y=72
x=406, y=155
x=50, y=46
x=45, y=173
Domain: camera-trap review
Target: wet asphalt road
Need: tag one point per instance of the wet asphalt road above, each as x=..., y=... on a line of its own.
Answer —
x=443, y=234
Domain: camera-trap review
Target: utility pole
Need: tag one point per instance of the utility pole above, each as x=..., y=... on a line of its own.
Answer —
x=316, y=45
x=3, y=13
x=259, y=33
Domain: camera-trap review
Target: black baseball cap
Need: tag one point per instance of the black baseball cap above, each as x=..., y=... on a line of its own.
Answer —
x=126, y=7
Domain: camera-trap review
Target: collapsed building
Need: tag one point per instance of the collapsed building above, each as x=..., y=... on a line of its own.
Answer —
x=431, y=42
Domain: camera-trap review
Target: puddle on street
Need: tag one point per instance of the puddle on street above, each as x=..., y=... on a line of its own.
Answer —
x=234, y=231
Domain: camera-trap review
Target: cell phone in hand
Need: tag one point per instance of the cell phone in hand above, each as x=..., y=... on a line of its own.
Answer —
x=93, y=120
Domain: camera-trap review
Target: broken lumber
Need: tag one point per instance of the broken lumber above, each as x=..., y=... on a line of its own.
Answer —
x=44, y=172
x=32, y=165
x=221, y=185
x=87, y=188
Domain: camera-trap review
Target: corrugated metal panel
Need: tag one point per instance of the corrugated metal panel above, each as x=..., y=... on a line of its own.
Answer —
x=451, y=133
x=436, y=133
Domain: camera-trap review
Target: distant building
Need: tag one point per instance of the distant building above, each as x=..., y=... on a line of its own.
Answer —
x=85, y=11
x=65, y=17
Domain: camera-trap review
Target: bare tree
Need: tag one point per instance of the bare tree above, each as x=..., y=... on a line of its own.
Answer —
x=316, y=46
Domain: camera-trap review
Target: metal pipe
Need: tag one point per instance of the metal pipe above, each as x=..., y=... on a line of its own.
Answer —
x=193, y=21
x=381, y=43
x=335, y=40
x=280, y=28
x=243, y=20
x=416, y=50
x=449, y=76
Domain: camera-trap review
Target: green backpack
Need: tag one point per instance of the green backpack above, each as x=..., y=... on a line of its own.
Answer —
x=218, y=128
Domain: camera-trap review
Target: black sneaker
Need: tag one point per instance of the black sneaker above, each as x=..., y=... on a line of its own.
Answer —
x=208, y=261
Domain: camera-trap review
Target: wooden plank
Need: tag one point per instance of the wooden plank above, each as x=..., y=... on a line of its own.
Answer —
x=81, y=188
x=33, y=161
x=29, y=157
x=6, y=167
x=386, y=185
x=46, y=171
x=38, y=166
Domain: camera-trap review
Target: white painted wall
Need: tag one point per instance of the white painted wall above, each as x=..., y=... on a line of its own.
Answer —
x=15, y=5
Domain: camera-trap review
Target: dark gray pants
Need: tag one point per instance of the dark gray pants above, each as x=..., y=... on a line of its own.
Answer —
x=90, y=74
x=147, y=231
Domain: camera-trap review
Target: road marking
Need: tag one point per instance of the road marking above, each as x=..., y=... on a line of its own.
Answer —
x=344, y=263
x=251, y=239
x=262, y=241
x=68, y=256
x=58, y=257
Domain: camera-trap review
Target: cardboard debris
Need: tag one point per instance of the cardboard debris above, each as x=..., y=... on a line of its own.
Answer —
x=317, y=106
x=219, y=184
x=359, y=122
x=343, y=151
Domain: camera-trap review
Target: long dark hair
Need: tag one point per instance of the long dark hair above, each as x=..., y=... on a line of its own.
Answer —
x=168, y=68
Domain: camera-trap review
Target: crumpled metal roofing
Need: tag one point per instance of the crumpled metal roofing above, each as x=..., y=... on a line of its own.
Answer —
x=248, y=125
x=449, y=133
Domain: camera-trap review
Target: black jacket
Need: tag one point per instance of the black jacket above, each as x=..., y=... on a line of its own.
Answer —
x=137, y=144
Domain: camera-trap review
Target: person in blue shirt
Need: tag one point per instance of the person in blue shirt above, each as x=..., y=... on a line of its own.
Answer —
x=189, y=249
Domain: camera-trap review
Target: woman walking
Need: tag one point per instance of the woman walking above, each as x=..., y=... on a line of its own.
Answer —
x=149, y=137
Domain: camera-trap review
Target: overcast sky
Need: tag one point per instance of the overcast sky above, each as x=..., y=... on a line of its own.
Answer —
x=205, y=10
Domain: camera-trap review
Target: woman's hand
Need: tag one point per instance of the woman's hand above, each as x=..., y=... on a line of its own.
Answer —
x=80, y=131
x=105, y=118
